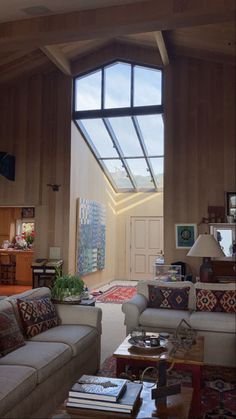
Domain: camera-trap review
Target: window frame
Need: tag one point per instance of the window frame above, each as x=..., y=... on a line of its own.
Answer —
x=132, y=112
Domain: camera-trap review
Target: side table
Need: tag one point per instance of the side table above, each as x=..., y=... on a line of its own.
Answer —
x=88, y=302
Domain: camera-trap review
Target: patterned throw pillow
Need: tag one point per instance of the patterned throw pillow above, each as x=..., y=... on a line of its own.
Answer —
x=37, y=315
x=171, y=298
x=216, y=300
x=11, y=337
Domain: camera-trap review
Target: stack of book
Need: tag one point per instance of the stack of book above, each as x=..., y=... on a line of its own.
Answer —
x=104, y=393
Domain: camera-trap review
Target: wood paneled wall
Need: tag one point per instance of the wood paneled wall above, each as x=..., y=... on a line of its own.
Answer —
x=200, y=147
x=35, y=127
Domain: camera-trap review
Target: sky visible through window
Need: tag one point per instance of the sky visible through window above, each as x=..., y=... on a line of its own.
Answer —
x=119, y=112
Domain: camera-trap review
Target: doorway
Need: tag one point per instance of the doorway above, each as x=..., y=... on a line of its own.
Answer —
x=146, y=242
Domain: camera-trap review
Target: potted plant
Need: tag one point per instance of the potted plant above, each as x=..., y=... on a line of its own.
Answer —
x=67, y=288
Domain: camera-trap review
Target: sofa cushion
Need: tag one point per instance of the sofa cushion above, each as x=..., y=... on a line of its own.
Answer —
x=77, y=337
x=215, y=297
x=30, y=294
x=37, y=315
x=16, y=382
x=11, y=337
x=142, y=288
x=213, y=322
x=160, y=318
x=45, y=357
x=168, y=298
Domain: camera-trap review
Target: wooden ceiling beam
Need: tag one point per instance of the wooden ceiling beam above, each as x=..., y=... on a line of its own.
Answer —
x=200, y=54
x=112, y=21
x=162, y=47
x=55, y=55
x=10, y=57
x=116, y=50
x=35, y=60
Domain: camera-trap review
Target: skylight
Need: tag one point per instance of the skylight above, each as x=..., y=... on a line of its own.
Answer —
x=118, y=109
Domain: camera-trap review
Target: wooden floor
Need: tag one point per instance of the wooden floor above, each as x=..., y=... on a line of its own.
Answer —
x=13, y=289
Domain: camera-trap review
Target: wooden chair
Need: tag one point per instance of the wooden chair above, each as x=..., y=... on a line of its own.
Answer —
x=7, y=268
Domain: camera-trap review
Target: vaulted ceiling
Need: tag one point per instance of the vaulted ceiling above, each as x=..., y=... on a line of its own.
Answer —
x=65, y=33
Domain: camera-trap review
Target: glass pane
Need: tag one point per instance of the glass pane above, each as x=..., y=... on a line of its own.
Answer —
x=88, y=92
x=99, y=136
x=139, y=170
x=152, y=129
x=225, y=239
x=158, y=168
x=147, y=86
x=117, y=85
x=118, y=174
x=123, y=128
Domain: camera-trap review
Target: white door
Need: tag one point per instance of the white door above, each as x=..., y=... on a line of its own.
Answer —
x=146, y=242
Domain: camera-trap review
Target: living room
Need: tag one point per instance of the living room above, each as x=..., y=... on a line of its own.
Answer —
x=199, y=116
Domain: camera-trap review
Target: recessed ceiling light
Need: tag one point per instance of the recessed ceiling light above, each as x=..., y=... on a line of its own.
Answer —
x=36, y=10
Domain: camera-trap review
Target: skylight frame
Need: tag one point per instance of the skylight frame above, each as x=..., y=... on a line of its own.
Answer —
x=133, y=111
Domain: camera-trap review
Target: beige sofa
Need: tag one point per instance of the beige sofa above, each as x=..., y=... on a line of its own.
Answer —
x=218, y=328
x=36, y=377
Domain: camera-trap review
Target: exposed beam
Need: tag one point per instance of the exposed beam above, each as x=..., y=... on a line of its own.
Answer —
x=13, y=56
x=162, y=48
x=144, y=16
x=200, y=54
x=114, y=51
x=25, y=65
x=54, y=54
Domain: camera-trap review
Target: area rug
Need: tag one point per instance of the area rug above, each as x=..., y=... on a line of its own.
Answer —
x=218, y=394
x=116, y=294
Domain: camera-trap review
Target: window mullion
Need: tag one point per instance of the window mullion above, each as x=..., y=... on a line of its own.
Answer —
x=119, y=151
x=103, y=89
x=144, y=149
x=132, y=87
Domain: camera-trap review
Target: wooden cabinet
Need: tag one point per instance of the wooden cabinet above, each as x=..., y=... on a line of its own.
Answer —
x=8, y=217
x=23, y=272
x=224, y=269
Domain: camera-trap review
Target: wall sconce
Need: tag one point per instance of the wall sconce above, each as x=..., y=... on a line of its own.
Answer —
x=54, y=186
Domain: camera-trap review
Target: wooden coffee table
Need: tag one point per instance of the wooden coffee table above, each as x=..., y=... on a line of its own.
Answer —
x=191, y=360
x=177, y=407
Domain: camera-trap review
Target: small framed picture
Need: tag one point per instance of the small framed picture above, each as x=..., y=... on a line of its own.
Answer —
x=231, y=204
x=27, y=212
x=185, y=235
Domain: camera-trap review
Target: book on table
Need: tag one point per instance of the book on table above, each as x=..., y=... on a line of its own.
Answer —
x=98, y=388
x=124, y=404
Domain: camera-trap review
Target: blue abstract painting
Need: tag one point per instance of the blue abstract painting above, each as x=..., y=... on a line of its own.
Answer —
x=91, y=240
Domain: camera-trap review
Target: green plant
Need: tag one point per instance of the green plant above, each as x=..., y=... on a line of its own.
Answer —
x=67, y=286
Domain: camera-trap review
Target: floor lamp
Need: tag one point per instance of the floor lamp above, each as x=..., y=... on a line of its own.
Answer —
x=206, y=246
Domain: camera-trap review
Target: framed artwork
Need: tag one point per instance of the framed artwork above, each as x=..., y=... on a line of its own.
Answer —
x=91, y=243
x=27, y=212
x=185, y=235
x=231, y=204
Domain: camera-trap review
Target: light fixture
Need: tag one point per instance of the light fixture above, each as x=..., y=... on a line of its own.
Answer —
x=206, y=246
x=54, y=186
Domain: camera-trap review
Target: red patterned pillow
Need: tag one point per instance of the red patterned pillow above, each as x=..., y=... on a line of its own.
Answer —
x=11, y=337
x=37, y=315
x=171, y=298
x=216, y=300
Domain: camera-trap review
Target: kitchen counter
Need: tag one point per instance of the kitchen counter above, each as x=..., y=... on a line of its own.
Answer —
x=24, y=258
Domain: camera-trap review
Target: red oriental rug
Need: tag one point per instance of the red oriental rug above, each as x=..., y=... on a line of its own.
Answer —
x=218, y=393
x=116, y=294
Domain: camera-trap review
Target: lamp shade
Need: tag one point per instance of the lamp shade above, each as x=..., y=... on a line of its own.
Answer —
x=206, y=246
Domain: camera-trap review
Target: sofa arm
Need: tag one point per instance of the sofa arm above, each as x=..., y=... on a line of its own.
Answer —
x=132, y=310
x=78, y=314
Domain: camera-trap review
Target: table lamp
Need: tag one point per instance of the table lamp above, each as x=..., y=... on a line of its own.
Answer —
x=206, y=246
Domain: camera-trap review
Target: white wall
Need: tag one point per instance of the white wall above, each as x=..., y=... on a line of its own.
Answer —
x=89, y=182
x=127, y=206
